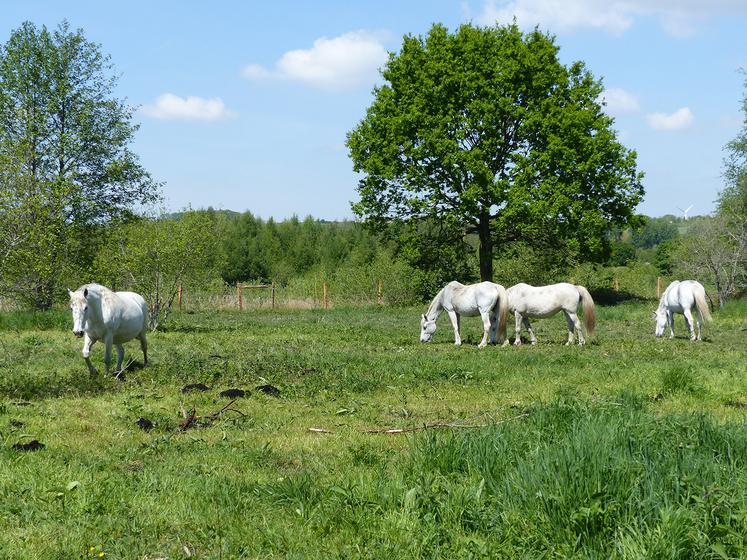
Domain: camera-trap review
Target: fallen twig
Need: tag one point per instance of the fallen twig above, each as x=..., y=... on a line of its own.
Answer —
x=191, y=418
x=438, y=425
x=320, y=431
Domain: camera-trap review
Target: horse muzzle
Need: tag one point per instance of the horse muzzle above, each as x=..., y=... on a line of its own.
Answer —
x=78, y=334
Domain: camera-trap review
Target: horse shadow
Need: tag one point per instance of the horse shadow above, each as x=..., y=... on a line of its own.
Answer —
x=610, y=297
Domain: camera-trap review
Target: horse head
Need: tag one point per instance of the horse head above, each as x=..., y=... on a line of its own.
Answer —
x=660, y=316
x=427, y=328
x=79, y=307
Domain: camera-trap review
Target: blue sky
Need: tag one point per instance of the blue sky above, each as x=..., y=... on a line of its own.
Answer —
x=245, y=105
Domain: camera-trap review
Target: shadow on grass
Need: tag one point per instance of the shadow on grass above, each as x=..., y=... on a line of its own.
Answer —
x=608, y=296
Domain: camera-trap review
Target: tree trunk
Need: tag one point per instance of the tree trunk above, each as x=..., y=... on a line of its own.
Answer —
x=44, y=296
x=486, y=248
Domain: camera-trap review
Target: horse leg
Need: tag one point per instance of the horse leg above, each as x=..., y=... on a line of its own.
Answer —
x=530, y=330
x=144, y=347
x=487, y=325
x=120, y=359
x=517, y=328
x=670, y=322
x=689, y=323
x=493, y=325
x=108, y=351
x=454, y=316
x=574, y=324
x=699, y=318
x=87, y=343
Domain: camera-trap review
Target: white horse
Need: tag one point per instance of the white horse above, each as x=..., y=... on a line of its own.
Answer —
x=682, y=297
x=486, y=299
x=112, y=317
x=545, y=301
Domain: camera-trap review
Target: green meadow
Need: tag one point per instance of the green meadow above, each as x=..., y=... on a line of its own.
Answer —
x=630, y=447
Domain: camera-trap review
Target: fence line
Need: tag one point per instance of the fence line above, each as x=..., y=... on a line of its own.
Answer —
x=271, y=296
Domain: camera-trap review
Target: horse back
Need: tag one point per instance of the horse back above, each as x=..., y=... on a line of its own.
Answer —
x=127, y=313
x=543, y=301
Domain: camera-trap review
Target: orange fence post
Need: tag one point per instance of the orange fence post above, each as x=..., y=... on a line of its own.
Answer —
x=658, y=287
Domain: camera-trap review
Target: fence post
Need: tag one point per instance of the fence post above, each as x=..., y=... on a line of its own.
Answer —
x=238, y=296
x=179, y=296
x=379, y=295
x=658, y=287
x=325, y=295
x=273, y=295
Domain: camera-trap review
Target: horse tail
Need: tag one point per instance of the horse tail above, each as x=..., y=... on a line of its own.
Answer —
x=502, y=305
x=590, y=320
x=701, y=303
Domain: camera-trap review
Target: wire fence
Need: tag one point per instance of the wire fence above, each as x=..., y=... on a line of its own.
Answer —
x=273, y=296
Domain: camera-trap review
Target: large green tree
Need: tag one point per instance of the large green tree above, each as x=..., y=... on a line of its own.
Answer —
x=486, y=128
x=66, y=166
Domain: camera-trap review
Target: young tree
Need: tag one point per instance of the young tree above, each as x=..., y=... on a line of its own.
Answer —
x=64, y=140
x=154, y=256
x=717, y=246
x=486, y=128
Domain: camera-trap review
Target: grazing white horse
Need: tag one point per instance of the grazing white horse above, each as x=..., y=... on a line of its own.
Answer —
x=682, y=297
x=112, y=317
x=486, y=299
x=545, y=301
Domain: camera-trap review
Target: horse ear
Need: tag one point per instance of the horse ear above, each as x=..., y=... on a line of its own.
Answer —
x=424, y=317
x=85, y=293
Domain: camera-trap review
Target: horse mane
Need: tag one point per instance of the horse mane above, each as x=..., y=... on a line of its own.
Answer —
x=435, y=302
x=96, y=288
x=105, y=296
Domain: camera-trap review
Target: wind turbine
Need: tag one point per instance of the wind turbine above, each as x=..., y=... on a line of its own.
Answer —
x=685, y=211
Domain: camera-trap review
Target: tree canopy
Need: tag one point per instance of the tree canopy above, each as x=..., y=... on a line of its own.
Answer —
x=486, y=130
x=65, y=158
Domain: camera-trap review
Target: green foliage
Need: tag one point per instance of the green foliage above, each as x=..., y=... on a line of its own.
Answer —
x=65, y=161
x=521, y=262
x=664, y=257
x=486, y=129
x=655, y=231
x=155, y=256
x=437, y=251
x=272, y=251
x=621, y=253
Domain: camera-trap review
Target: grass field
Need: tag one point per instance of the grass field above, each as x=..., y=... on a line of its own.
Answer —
x=629, y=447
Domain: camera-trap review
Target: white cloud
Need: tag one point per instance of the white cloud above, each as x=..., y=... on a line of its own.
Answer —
x=342, y=63
x=677, y=17
x=174, y=108
x=619, y=102
x=679, y=120
x=557, y=14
